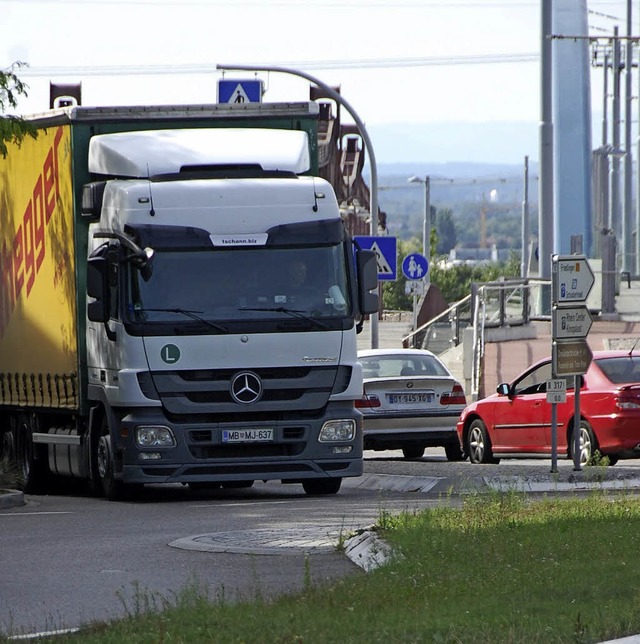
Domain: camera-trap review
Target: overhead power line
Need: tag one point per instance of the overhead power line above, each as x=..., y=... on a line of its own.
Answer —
x=202, y=68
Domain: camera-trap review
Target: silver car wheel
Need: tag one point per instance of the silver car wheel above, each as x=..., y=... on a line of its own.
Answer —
x=587, y=443
x=476, y=444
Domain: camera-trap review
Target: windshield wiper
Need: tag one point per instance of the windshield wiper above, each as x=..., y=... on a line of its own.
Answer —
x=190, y=314
x=293, y=312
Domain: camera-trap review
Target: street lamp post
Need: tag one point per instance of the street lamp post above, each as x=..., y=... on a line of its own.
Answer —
x=426, y=224
x=331, y=93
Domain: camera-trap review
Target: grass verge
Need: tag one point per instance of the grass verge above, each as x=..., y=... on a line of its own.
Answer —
x=499, y=569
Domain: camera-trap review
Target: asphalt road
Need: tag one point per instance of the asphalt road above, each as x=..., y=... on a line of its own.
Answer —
x=70, y=559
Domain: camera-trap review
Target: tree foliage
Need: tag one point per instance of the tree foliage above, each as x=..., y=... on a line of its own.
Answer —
x=447, y=233
x=13, y=128
x=454, y=282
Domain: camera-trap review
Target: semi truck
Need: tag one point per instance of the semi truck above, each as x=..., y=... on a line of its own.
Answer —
x=179, y=301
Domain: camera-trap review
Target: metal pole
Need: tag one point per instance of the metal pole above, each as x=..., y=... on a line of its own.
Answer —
x=637, y=272
x=545, y=188
x=426, y=233
x=616, y=218
x=576, y=423
x=605, y=101
x=331, y=93
x=628, y=258
x=524, y=264
x=554, y=438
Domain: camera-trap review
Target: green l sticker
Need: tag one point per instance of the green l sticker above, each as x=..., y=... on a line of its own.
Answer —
x=170, y=353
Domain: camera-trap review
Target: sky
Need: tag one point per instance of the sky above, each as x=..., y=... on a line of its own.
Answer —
x=398, y=62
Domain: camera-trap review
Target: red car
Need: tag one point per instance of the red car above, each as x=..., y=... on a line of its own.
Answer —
x=516, y=421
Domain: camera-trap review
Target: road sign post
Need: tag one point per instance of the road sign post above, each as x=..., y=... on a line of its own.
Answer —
x=415, y=267
x=571, y=281
x=556, y=393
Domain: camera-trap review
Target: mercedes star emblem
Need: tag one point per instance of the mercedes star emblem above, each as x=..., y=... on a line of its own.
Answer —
x=246, y=388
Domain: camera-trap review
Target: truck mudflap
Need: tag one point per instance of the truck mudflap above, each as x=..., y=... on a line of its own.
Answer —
x=149, y=449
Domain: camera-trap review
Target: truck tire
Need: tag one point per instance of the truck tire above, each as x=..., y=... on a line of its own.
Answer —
x=8, y=446
x=321, y=486
x=113, y=489
x=32, y=465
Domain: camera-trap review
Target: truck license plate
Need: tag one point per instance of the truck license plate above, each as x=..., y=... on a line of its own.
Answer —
x=247, y=435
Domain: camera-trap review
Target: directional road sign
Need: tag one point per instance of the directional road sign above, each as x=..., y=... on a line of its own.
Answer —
x=571, y=322
x=570, y=357
x=574, y=278
x=385, y=250
x=415, y=266
x=239, y=90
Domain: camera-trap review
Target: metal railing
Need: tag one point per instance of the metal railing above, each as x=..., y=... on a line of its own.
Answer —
x=505, y=303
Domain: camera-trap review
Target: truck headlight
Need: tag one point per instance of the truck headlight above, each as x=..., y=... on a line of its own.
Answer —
x=155, y=436
x=338, y=430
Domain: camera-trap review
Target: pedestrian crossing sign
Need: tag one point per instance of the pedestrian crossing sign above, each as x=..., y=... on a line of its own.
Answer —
x=239, y=91
x=385, y=249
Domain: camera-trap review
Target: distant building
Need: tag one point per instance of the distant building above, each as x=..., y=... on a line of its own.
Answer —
x=475, y=256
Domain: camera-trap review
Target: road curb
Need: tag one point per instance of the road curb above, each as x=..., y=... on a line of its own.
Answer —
x=11, y=498
x=367, y=550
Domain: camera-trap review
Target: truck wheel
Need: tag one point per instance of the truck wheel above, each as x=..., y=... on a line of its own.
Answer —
x=322, y=486
x=8, y=446
x=112, y=488
x=34, y=470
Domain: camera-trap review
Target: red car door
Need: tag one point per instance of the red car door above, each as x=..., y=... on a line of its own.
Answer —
x=521, y=417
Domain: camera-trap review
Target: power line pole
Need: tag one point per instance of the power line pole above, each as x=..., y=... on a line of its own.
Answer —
x=545, y=187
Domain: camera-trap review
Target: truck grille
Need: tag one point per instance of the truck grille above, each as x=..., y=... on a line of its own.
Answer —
x=301, y=390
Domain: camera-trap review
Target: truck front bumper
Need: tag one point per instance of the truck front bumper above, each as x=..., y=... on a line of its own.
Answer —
x=288, y=450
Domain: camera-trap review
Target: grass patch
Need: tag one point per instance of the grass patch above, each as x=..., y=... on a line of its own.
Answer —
x=498, y=569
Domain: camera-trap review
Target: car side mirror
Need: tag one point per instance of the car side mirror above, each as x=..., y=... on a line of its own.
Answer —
x=503, y=389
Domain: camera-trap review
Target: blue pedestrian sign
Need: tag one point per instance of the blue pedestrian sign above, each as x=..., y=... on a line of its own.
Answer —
x=239, y=91
x=385, y=250
x=415, y=266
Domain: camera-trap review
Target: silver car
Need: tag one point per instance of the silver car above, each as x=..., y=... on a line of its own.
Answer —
x=411, y=401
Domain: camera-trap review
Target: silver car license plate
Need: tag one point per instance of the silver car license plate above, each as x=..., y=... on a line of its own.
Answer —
x=410, y=399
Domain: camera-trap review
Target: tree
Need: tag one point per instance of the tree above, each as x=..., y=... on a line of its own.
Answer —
x=447, y=234
x=13, y=128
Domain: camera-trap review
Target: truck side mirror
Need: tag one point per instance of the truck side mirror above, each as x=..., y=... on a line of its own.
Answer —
x=97, y=288
x=367, y=267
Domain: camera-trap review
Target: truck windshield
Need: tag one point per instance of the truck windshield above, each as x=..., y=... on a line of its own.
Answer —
x=242, y=284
